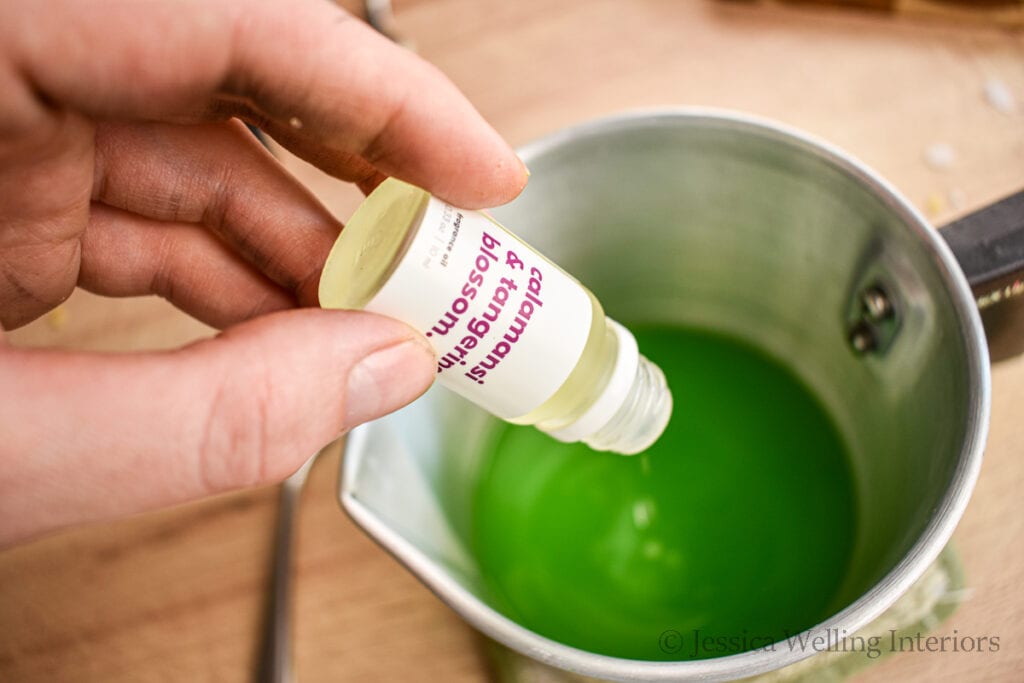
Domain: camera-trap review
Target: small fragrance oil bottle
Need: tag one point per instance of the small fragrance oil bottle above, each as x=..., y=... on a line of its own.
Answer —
x=513, y=332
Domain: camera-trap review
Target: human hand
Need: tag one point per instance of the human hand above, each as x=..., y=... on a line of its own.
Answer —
x=122, y=171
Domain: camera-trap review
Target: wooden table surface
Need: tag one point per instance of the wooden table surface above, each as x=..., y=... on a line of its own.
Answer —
x=179, y=594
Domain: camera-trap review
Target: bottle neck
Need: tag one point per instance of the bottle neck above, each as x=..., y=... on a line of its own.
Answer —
x=633, y=408
x=643, y=416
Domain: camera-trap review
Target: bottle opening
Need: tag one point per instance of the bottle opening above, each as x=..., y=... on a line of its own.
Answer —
x=633, y=409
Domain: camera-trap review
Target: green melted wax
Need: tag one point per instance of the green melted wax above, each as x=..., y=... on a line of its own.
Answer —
x=736, y=526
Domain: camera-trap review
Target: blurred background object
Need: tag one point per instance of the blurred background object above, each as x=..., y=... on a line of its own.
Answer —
x=1006, y=12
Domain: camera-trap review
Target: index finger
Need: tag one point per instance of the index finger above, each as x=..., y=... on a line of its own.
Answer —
x=335, y=91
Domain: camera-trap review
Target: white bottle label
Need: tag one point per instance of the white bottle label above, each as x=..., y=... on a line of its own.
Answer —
x=508, y=325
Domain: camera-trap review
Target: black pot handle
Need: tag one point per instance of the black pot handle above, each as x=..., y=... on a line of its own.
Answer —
x=989, y=244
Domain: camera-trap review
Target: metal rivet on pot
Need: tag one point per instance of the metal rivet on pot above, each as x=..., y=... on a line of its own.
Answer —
x=862, y=338
x=877, y=306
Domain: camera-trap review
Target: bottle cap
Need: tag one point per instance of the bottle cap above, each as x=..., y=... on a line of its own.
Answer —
x=633, y=409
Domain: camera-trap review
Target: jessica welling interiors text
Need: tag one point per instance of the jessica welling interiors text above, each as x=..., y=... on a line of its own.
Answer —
x=699, y=644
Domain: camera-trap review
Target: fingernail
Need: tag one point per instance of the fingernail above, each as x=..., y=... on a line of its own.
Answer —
x=388, y=379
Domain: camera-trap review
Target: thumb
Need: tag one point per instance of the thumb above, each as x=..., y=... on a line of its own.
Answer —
x=92, y=436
